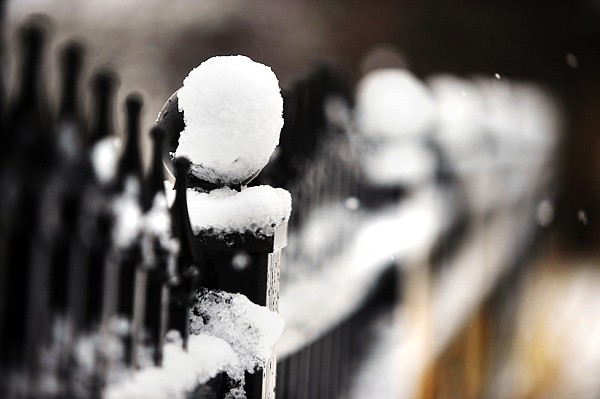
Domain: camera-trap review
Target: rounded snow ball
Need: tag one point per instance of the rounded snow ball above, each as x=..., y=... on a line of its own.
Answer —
x=392, y=103
x=232, y=109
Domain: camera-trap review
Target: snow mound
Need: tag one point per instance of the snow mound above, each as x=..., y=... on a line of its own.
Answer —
x=233, y=113
x=226, y=210
x=228, y=334
x=392, y=103
x=404, y=163
x=250, y=329
x=180, y=373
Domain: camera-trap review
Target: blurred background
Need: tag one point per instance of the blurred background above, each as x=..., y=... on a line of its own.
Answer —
x=154, y=46
x=533, y=329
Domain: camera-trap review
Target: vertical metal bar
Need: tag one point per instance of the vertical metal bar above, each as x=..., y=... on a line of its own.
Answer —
x=304, y=374
x=346, y=356
x=325, y=380
x=139, y=307
x=316, y=368
x=164, y=322
x=36, y=313
x=294, y=362
x=335, y=363
x=109, y=310
x=282, y=379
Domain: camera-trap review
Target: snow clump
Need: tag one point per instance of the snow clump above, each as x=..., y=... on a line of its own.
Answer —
x=392, y=103
x=233, y=114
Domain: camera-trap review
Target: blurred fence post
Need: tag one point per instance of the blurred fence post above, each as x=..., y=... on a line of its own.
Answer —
x=249, y=263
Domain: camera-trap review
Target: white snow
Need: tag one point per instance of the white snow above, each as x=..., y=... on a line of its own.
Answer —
x=406, y=162
x=226, y=210
x=181, y=371
x=392, y=103
x=250, y=329
x=523, y=118
x=377, y=375
x=157, y=220
x=228, y=334
x=499, y=136
x=539, y=116
x=461, y=121
x=320, y=296
x=515, y=113
x=127, y=215
x=156, y=225
x=232, y=110
x=395, y=111
x=105, y=155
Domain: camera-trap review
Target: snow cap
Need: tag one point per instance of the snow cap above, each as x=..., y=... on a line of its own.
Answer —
x=232, y=109
x=224, y=210
x=393, y=103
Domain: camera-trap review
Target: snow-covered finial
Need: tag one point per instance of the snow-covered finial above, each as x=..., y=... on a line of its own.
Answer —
x=393, y=103
x=232, y=111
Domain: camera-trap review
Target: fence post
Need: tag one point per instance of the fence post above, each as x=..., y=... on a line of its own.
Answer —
x=246, y=259
x=248, y=263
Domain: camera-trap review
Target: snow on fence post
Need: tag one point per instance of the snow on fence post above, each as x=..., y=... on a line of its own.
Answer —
x=226, y=119
x=249, y=263
x=91, y=258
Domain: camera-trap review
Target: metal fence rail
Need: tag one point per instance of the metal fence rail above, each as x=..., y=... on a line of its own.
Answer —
x=89, y=285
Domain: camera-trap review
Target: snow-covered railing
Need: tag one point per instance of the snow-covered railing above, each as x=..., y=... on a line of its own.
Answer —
x=353, y=222
x=111, y=286
x=425, y=175
x=227, y=118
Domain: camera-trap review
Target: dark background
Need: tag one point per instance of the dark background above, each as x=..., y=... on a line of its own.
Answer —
x=153, y=44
